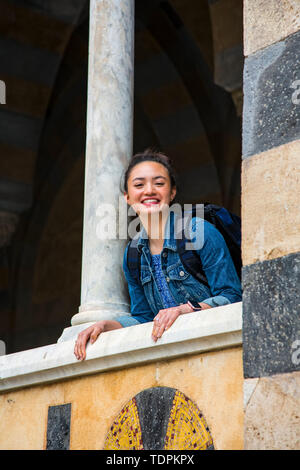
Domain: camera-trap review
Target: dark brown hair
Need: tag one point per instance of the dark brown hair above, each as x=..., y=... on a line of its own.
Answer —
x=150, y=155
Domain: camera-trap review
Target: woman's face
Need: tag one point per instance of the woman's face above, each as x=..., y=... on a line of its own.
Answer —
x=149, y=188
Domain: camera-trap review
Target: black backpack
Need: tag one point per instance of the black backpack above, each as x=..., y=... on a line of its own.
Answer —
x=228, y=224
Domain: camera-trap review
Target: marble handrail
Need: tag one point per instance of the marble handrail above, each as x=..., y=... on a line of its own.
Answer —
x=193, y=333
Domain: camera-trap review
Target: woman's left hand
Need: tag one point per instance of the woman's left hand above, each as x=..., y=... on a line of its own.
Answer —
x=165, y=318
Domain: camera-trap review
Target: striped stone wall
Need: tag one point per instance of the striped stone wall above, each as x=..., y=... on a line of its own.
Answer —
x=271, y=224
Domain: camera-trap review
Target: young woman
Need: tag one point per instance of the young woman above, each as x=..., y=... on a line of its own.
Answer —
x=166, y=290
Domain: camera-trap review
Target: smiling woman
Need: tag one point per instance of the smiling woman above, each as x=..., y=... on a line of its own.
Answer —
x=164, y=289
x=149, y=189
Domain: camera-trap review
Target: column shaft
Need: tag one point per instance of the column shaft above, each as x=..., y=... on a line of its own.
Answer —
x=108, y=149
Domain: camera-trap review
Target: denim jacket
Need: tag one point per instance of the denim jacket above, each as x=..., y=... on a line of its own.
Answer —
x=224, y=283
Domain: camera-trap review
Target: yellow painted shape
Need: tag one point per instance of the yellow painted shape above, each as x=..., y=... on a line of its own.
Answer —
x=187, y=428
x=125, y=432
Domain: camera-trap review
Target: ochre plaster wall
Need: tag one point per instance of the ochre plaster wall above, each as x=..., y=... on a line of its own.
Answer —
x=214, y=381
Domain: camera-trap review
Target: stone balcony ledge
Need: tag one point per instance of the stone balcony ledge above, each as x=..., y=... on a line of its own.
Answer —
x=193, y=333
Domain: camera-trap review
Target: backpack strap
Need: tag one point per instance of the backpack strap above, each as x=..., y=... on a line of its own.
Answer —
x=191, y=261
x=134, y=259
x=190, y=258
x=229, y=225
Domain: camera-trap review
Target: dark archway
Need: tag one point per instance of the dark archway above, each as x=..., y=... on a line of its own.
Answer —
x=178, y=109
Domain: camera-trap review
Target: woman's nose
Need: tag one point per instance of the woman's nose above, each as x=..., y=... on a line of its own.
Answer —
x=149, y=188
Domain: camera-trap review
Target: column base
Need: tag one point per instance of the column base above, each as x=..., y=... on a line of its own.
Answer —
x=72, y=332
x=82, y=320
x=96, y=315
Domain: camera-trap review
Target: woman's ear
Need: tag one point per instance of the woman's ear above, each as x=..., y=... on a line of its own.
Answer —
x=126, y=197
x=173, y=193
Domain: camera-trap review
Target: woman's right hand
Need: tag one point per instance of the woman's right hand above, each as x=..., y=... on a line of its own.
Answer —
x=91, y=333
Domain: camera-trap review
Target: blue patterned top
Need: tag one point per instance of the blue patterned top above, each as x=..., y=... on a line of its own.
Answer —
x=161, y=282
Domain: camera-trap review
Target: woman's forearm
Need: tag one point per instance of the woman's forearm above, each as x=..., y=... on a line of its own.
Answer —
x=111, y=325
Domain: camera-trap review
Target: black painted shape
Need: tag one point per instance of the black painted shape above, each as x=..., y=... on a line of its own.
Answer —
x=271, y=316
x=270, y=117
x=154, y=407
x=58, y=428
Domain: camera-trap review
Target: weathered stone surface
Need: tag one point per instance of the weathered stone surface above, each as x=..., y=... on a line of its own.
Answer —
x=270, y=203
x=271, y=114
x=58, y=427
x=271, y=321
x=266, y=22
x=249, y=387
x=272, y=418
x=154, y=406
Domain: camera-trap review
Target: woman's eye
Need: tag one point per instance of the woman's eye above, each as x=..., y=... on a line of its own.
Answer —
x=138, y=185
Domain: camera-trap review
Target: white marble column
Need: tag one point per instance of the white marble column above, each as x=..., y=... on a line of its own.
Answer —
x=108, y=149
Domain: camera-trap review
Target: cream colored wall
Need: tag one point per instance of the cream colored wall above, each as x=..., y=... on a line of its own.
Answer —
x=214, y=381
